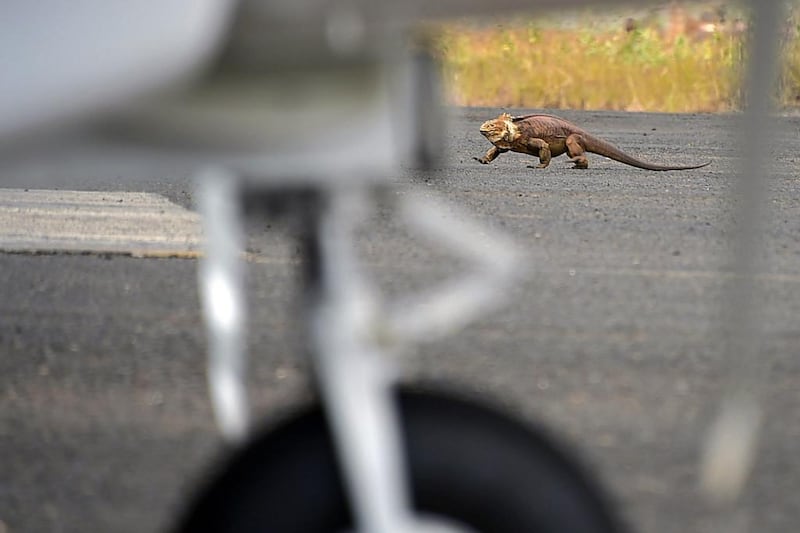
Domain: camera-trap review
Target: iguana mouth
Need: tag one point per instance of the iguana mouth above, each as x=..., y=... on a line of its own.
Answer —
x=490, y=130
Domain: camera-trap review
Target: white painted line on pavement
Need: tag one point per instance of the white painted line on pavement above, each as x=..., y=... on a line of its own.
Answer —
x=130, y=223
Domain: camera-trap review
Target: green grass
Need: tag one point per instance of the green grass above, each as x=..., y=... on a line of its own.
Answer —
x=524, y=65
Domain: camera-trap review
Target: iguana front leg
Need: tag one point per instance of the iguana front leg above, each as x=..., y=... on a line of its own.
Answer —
x=490, y=156
x=543, y=149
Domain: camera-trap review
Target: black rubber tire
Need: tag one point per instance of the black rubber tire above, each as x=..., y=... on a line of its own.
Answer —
x=469, y=464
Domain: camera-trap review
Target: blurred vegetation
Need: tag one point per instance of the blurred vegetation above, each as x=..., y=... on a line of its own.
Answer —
x=670, y=62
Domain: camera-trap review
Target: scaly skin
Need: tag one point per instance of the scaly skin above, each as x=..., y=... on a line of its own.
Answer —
x=548, y=136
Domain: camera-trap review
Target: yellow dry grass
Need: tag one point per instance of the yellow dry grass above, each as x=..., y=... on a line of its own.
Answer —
x=524, y=65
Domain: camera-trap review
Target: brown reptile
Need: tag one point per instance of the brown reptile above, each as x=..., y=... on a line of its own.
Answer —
x=547, y=136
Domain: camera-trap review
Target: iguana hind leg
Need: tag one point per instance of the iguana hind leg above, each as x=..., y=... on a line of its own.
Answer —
x=541, y=147
x=490, y=155
x=576, y=151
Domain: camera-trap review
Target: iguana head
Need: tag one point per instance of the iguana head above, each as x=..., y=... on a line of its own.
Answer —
x=500, y=131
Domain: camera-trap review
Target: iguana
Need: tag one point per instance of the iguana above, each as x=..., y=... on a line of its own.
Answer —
x=547, y=136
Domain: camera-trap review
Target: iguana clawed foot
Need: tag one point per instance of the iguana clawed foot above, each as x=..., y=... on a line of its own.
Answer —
x=580, y=162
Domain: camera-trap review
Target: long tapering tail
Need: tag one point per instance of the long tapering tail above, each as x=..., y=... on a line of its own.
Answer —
x=599, y=146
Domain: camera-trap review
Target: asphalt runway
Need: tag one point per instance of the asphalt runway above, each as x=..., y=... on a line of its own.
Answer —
x=613, y=339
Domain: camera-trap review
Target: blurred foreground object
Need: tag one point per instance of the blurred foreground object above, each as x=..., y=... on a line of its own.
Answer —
x=731, y=445
x=66, y=61
x=313, y=118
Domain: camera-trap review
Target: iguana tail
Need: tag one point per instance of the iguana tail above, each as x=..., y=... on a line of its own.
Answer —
x=599, y=146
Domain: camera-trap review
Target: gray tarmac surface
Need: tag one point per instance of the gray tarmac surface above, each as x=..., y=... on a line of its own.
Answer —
x=612, y=340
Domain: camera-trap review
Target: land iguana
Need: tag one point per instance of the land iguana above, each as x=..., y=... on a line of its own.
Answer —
x=547, y=136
